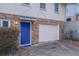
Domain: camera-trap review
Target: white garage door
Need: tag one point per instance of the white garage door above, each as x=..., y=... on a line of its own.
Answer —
x=48, y=33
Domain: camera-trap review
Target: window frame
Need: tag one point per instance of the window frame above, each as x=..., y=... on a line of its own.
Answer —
x=41, y=8
x=78, y=17
x=0, y=23
x=9, y=23
x=68, y=19
x=56, y=8
x=25, y=4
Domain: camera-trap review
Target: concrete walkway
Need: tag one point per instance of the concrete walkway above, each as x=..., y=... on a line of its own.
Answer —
x=57, y=48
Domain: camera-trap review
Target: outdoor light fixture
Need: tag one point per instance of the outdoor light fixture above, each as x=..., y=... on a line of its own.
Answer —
x=16, y=22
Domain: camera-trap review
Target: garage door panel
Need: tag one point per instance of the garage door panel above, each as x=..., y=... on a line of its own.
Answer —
x=48, y=33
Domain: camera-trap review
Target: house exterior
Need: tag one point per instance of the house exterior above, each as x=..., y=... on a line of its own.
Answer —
x=71, y=30
x=36, y=22
x=72, y=11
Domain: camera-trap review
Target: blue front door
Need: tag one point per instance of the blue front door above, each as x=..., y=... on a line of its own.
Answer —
x=25, y=33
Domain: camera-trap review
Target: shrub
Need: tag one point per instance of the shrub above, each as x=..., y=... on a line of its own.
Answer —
x=8, y=40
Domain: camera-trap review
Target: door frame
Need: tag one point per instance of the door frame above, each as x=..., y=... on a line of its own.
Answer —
x=30, y=34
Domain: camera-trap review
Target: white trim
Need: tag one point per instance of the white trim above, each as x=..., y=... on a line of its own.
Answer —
x=24, y=45
x=9, y=22
x=30, y=34
x=9, y=25
x=58, y=31
x=1, y=23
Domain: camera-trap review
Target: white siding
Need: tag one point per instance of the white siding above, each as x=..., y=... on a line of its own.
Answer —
x=34, y=10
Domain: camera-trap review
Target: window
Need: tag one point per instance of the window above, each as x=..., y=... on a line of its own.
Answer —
x=26, y=4
x=56, y=5
x=5, y=23
x=68, y=19
x=42, y=6
x=78, y=18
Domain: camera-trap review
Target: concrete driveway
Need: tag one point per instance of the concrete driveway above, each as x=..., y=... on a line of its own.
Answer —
x=57, y=48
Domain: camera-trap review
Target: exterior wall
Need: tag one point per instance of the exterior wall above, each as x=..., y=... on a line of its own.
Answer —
x=13, y=25
x=72, y=11
x=35, y=26
x=34, y=10
x=71, y=30
x=13, y=19
x=35, y=31
x=74, y=18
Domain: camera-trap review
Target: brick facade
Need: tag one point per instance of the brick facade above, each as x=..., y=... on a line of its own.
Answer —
x=35, y=26
x=13, y=25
